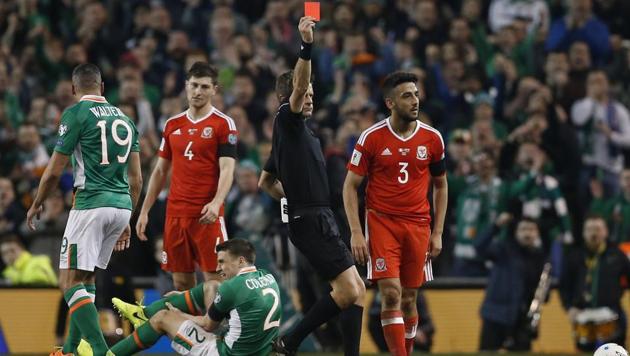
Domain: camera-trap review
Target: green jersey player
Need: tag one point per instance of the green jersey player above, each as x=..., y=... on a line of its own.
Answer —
x=249, y=298
x=103, y=145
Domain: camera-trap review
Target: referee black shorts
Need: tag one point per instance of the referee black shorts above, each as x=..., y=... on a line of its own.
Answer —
x=315, y=233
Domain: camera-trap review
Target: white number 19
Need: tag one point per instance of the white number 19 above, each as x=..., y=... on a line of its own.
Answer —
x=120, y=141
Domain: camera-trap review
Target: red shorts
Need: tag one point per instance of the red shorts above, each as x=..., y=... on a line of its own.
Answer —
x=398, y=248
x=187, y=242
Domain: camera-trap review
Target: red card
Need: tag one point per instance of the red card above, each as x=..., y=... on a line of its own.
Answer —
x=311, y=8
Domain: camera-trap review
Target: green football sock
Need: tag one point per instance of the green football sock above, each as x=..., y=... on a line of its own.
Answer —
x=143, y=337
x=74, y=334
x=83, y=312
x=188, y=302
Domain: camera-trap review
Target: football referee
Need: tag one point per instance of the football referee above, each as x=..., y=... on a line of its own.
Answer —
x=296, y=170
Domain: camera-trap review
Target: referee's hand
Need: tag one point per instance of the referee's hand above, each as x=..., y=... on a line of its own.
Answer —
x=359, y=248
x=306, y=26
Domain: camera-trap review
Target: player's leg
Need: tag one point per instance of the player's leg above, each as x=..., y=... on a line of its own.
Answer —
x=414, y=251
x=384, y=235
x=193, y=301
x=86, y=245
x=204, y=240
x=178, y=254
x=316, y=235
x=351, y=317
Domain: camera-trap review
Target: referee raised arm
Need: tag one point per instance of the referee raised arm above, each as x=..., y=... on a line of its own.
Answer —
x=296, y=170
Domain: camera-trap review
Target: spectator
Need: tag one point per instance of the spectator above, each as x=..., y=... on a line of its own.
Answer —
x=505, y=12
x=615, y=210
x=604, y=132
x=591, y=288
x=248, y=208
x=11, y=211
x=477, y=208
x=22, y=268
x=580, y=25
x=517, y=265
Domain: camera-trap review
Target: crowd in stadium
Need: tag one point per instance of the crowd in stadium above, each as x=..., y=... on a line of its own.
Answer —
x=532, y=98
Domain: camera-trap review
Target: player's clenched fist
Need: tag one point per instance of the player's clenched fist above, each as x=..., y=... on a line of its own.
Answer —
x=141, y=226
x=359, y=248
x=306, y=26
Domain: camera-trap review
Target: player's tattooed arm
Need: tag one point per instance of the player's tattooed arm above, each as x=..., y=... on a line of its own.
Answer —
x=271, y=185
x=135, y=179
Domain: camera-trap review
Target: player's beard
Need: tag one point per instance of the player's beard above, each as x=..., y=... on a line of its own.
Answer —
x=407, y=116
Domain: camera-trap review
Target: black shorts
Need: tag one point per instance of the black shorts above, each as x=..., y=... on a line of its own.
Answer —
x=315, y=233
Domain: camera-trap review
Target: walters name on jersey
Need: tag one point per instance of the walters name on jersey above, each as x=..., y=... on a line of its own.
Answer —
x=100, y=137
x=397, y=169
x=194, y=148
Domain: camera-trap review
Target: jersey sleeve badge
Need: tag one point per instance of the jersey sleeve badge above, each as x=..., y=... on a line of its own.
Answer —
x=356, y=157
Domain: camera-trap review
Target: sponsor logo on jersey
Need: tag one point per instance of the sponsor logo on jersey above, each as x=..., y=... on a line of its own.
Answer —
x=404, y=151
x=380, y=265
x=356, y=158
x=386, y=152
x=177, y=132
x=192, y=131
x=207, y=132
x=164, y=258
x=217, y=298
x=232, y=139
x=421, y=153
x=63, y=129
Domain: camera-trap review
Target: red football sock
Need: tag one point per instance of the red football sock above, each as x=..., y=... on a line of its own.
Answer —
x=394, y=331
x=410, y=333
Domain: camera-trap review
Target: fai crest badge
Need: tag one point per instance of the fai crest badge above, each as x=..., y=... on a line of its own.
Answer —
x=421, y=153
x=63, y=129
x=207, y=132
x=217, y=298
x=380, y=265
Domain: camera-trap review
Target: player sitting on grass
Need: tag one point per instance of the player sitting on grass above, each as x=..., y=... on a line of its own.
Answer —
x=248, y=297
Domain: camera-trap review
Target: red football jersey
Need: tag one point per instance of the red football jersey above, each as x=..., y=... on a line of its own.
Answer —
x=193, y=148
x=397, y=169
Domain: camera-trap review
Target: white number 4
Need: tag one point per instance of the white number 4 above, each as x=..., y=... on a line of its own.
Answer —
x=405, y=175
x=276, y=300
x=188, y=152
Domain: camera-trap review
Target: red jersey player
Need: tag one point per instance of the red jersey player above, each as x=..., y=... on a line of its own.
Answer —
x=400, y=156
x=200, y=146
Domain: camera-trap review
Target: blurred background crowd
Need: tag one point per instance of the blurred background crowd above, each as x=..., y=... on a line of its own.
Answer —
x=531, y=97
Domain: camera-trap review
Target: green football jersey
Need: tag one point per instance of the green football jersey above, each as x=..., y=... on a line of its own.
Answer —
x=252, y=301
x=100, y=137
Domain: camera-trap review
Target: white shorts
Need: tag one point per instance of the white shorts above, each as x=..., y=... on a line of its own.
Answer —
x=90, y=237
x=193, y=340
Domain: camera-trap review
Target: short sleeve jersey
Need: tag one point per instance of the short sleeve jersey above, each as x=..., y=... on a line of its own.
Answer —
x=298, y=161
x=100, y=138
x=398, y=169
x=194, y=148
x=251, y=301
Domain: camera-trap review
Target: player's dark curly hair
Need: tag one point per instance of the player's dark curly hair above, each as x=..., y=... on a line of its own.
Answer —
x=203, y=69
x=238, y=248
x=395, y=79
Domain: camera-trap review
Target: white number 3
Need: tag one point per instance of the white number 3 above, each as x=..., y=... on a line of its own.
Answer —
x=403, y=170
x=188, y=152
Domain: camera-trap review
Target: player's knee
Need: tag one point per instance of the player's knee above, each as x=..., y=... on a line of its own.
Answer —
x=391, y=297
x=158, y=319
x=408, y=303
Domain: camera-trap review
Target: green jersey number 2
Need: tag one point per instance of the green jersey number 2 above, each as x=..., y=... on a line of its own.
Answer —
x=120, y=141
x=276, y=300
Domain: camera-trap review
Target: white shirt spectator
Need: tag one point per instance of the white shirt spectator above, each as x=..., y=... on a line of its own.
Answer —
x=504, y=12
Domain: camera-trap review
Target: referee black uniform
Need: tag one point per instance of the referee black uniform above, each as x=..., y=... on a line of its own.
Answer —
x=298, y=163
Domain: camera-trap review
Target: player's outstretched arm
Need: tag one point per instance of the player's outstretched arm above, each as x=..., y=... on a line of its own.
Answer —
x=50, y=180
x=440, y=202
x=156, y=184
x=351, y=205
x=302, y=71
x=271, y=185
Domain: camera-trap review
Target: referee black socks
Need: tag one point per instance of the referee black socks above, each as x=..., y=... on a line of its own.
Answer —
x=324, y=310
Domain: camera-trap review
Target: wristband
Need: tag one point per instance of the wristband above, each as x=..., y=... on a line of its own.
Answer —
x=305, y=51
